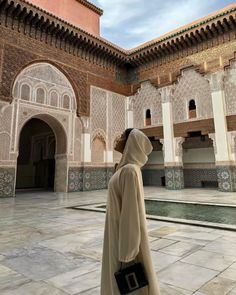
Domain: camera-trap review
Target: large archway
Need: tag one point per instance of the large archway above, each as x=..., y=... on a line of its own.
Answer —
x=36, y=159
x=42, y=160
x=42, y=92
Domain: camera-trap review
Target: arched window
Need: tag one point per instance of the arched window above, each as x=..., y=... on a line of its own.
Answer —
x=192, y=109
x=98, y=148
x=66, y=102
x=54, y=99
x=40, y=95
x=148, y=119
x=25, y=92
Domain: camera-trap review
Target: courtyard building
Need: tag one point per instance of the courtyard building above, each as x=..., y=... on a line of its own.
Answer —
x=67, y=94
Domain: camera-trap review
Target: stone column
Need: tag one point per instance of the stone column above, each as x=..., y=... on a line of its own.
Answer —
x=232, y=142
x=224, y=164
x=130, y=112
x=61, y=173
x=173, y=162
x=86, y=141
x=108, y=153
x=108, y=156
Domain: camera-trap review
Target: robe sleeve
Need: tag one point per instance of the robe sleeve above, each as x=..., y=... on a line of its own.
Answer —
x=129, y=224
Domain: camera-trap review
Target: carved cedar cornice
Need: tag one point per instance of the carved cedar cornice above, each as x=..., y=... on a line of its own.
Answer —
x=27, y=18
x=31, y=20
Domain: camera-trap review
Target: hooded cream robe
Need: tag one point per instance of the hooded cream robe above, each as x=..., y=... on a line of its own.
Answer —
x=125, y=236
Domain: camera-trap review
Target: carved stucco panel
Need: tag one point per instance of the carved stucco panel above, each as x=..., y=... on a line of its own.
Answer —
x=98, y=109
x=230, y=90
x=147, y=97
x=44, y=77
x=108, y=115
x=192, y=86
x=5, y=117
x=4, y=146
x=117, y=123
x=77, y=140
x=179, y=146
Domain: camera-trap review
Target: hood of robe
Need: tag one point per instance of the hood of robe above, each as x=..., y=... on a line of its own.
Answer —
x=137, y=149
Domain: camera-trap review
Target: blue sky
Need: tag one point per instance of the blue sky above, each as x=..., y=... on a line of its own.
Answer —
x=129, y=23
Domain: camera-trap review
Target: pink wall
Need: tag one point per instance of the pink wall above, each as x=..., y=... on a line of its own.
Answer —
x=73, y=12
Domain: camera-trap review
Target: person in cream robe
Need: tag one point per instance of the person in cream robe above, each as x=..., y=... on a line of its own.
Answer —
x=125, y=235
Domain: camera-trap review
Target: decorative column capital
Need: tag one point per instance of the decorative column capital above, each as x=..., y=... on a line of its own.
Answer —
x=85, y=124
x=162, y=141
x=167, y=93
x=216, y=81
x=232, y=140
x=178, y=146
x=212, y=136
x=130, y=103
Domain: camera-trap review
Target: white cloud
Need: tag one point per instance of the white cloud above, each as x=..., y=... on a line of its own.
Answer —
x=129, y=23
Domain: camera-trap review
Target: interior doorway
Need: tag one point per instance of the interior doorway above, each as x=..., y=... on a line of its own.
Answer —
x=36, y=159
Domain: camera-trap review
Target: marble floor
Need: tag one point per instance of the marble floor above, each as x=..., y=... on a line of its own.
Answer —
x=46, y=248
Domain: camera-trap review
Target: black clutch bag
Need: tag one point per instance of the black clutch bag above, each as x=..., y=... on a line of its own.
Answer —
x=131, y=278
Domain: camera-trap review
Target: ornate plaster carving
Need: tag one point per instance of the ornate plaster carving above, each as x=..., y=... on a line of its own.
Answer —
x=178, y=146
x=212, y=136
x=217, y=81
x=167, y=93
x=194, y=86
x=36, y=83
x=230, y=89
x=147, y=97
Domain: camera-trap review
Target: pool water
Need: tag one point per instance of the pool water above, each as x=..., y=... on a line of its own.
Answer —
x=199, y=212
x=209, y=213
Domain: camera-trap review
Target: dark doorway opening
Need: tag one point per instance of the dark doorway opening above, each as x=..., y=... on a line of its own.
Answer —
x=36, y=160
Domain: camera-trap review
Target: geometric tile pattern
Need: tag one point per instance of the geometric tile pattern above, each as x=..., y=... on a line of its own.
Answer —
x=174, y=178
x=226, y=178
x=7, y=182
x=147, y=97
x=88, y=178
x=98, y=110
x=199, y=177
x=192, y=85
x=117, y=119
x=230, y=88
x=107, y=115
x=75, y=179
x=153, y=176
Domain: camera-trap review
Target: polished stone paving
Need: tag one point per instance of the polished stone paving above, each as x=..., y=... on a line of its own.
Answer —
x=48, y=249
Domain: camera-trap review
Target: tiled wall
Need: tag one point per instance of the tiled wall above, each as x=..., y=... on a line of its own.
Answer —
x=88, y=178
x=174, y=178
x=153, y=176
x=7, y=182
x=227, y=178
x=200, y=178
